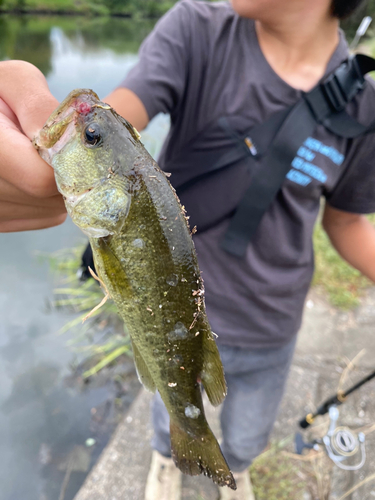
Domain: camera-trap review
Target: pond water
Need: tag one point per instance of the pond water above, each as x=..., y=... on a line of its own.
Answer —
x=45, y=419
x=45, y=415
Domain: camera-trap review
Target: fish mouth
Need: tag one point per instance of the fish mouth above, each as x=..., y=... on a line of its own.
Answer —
x=74, y=199
x=79, y=102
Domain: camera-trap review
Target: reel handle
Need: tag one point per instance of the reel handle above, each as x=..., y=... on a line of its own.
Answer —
x=301, y=445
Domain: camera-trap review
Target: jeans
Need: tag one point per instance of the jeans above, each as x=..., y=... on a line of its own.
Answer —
x=256, y=380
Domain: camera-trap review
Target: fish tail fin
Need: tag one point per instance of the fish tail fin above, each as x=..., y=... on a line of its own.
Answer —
x=200, y=455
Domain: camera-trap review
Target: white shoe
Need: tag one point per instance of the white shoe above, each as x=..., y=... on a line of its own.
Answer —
x=164, y=479
x=244, y=489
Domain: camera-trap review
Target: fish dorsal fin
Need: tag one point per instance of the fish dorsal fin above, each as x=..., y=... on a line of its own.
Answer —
x=212, y=375
x=142, y=370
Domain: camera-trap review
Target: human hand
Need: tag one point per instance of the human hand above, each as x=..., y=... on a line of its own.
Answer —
x=28, y=194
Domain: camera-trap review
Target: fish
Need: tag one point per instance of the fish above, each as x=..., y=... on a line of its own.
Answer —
x=145, y=259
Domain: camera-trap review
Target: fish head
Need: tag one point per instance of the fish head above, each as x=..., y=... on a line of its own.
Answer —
x=92, y=150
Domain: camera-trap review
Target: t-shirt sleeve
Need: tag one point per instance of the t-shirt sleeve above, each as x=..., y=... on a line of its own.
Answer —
x=160, y=76
x=355, y=191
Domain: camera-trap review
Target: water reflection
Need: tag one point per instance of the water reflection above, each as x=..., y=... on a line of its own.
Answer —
x=22, y=39
x=28, y=37
x=73, y=61
x=46, y=414
x=44, y=419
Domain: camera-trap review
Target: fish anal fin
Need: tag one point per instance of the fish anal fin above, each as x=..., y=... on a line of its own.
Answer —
x=212, y=375
x=143, y=372
x=196, y=455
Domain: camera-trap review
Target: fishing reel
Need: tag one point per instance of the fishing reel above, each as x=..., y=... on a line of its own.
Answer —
x=340, y=443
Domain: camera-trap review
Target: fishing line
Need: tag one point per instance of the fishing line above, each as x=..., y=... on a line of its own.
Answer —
x=340, y=443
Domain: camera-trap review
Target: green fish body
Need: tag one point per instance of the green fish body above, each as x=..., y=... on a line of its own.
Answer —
x=144, y=254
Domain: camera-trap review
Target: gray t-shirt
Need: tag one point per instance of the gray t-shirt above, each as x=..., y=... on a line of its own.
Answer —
x=201, y=62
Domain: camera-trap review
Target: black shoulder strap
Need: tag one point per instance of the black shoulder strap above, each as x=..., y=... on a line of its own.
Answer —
x=324, y=104
x=267, y=179
x=328, y=100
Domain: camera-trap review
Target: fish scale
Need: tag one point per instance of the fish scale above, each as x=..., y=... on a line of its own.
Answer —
x=145, y=256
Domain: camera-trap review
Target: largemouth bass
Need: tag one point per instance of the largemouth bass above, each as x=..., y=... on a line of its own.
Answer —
x=144, y=255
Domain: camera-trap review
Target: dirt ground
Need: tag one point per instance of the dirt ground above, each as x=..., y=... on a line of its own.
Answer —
x=328, y=341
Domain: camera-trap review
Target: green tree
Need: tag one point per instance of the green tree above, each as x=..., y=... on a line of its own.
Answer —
x=20, y=4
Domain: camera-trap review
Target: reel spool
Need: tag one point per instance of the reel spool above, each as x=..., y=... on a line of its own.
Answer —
x=340, y=443
x=344, y=442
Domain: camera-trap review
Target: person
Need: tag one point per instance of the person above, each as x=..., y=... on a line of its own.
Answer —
x=244, y=60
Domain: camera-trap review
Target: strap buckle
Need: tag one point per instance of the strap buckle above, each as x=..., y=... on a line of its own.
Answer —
x=334, y=93
x=341, y=86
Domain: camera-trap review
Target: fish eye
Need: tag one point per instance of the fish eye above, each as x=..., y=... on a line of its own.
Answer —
x=92, y=135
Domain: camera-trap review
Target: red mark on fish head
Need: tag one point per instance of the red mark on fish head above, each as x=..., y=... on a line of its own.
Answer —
x=83, y=108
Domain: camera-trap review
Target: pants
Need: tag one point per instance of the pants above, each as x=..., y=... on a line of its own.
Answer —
x=256, y=380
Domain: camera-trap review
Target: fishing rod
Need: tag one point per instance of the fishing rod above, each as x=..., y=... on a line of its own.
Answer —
x=338, y=399
x=340, y=442
x=361, y=31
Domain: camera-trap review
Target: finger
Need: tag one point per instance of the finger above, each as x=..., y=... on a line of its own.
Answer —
x=7, y=120
x=30, y=225
x=6, y=111
x=10, y=193
x=11, y=211
x=22, y=166
x=25, y=90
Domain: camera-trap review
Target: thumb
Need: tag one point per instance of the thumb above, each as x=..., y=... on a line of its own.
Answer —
x=25, y=90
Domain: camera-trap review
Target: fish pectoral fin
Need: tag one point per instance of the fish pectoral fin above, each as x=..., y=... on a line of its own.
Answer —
x=143, y=373
x=212, y=375
x=201, y=454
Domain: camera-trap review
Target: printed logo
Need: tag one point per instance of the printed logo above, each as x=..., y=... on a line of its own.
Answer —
x=303, y=171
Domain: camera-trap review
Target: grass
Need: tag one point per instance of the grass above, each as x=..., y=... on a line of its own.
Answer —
x=343, y=284
x=58, y=6
x=132, y=8
x=280, y=474
x=277, y=476
x=102, y=339
x=274, y=478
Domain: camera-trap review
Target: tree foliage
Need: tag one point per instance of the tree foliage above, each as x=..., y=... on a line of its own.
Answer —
x=144, y=8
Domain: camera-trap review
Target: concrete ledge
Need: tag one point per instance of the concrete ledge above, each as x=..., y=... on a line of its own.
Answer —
x=121, y=471
x=327, y=335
